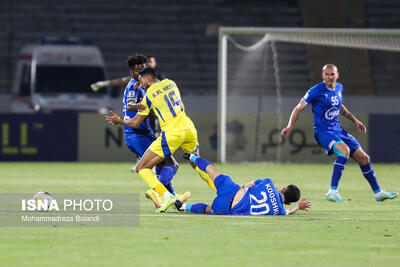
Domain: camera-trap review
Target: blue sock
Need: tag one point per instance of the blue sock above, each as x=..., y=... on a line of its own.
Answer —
x=196, y=208
x=369, y=174
x=338, y=168
x=200, y=162
x=166, y=175
x=158, y=171
x=170, y=188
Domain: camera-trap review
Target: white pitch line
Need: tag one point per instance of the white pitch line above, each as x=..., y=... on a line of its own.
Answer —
x=266, y=217
x=177, y=215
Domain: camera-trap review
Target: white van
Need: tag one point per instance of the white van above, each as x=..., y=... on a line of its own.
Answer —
x=56, y=75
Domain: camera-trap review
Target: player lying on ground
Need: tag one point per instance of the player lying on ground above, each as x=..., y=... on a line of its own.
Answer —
x=259, y=197
x=326, y=100
x=178, y=131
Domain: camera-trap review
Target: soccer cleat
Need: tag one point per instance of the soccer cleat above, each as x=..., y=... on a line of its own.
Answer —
x=182, y=198
x=166, y=203
x=154, y=197
x=178, y=205
x=383, y=195
x=334, y=197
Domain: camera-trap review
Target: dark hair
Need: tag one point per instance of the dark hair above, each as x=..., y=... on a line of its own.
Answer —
x=137, y=59
x=149, y=56
x=291, y=194
x=149, y=71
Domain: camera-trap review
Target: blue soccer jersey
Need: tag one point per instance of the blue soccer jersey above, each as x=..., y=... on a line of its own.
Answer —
x=135, y=94
x=326, y=104
x=262, y=199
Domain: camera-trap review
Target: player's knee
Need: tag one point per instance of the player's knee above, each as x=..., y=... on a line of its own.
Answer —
x=364, y=159
x=342, y=150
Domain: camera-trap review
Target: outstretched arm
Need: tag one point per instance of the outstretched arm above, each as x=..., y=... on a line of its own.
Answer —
x=133, y=106
x=122, y=82
x=133, y=123
x=345, y=112
x=301, y=205
x=293, y=118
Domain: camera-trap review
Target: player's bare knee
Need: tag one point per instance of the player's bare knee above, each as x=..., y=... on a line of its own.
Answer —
x=364, y=160
x=344, y=149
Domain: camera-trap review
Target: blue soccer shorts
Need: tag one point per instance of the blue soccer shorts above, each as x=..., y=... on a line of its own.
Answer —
x=327, y=139
x=138, y=143
x=226, y=191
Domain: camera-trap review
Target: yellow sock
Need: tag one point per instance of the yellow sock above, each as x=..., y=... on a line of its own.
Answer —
x=160, y=189
x=151, y=180
x=206, y=178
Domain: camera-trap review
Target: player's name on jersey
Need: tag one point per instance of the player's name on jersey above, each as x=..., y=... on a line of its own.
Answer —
x=164, y=89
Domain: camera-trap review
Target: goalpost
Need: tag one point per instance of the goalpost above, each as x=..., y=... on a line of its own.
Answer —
x=264, y=72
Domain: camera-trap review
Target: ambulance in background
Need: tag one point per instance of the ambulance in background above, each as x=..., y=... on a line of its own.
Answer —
x=56, y=74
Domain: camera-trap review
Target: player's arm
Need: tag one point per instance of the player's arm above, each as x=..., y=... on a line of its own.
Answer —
x=132, y=105
x=122, y=82
x=133, y=123
x=345, y=112
x=293, y=118
x=301, y=205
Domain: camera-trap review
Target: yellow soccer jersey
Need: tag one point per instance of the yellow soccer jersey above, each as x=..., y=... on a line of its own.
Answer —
x=164, y=99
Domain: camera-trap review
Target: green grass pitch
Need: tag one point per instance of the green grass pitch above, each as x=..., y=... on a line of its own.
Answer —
x=360, y=232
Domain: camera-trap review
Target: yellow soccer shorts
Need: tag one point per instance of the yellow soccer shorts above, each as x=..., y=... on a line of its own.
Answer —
x=173, y=138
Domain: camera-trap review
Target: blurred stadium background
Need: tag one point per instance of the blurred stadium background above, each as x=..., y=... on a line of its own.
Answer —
x=183, y=36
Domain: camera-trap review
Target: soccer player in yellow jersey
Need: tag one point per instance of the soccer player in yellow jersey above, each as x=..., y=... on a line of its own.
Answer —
x=177, y=130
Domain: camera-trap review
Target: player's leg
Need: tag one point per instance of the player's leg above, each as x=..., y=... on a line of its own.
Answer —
x=144, y=169
x=191, y=145
x=163, y=147
x=132, y=143
x=363, y=160
x=165, y=171
x=138, y=144
x=203, y=175
x=334, y=145
x=193, y=208
x=203, y=164
x=342, y=151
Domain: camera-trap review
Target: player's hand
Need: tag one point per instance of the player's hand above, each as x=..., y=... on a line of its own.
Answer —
x=114, y=119
x=304, y=205
x=360, y=126
x=285, y=132
x=100, y=84
x=136, y=85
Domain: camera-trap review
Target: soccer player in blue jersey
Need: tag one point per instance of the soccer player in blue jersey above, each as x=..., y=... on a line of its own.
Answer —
x=139, y=139
x=259, y=197
x=123, y=81
x=326, y=100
